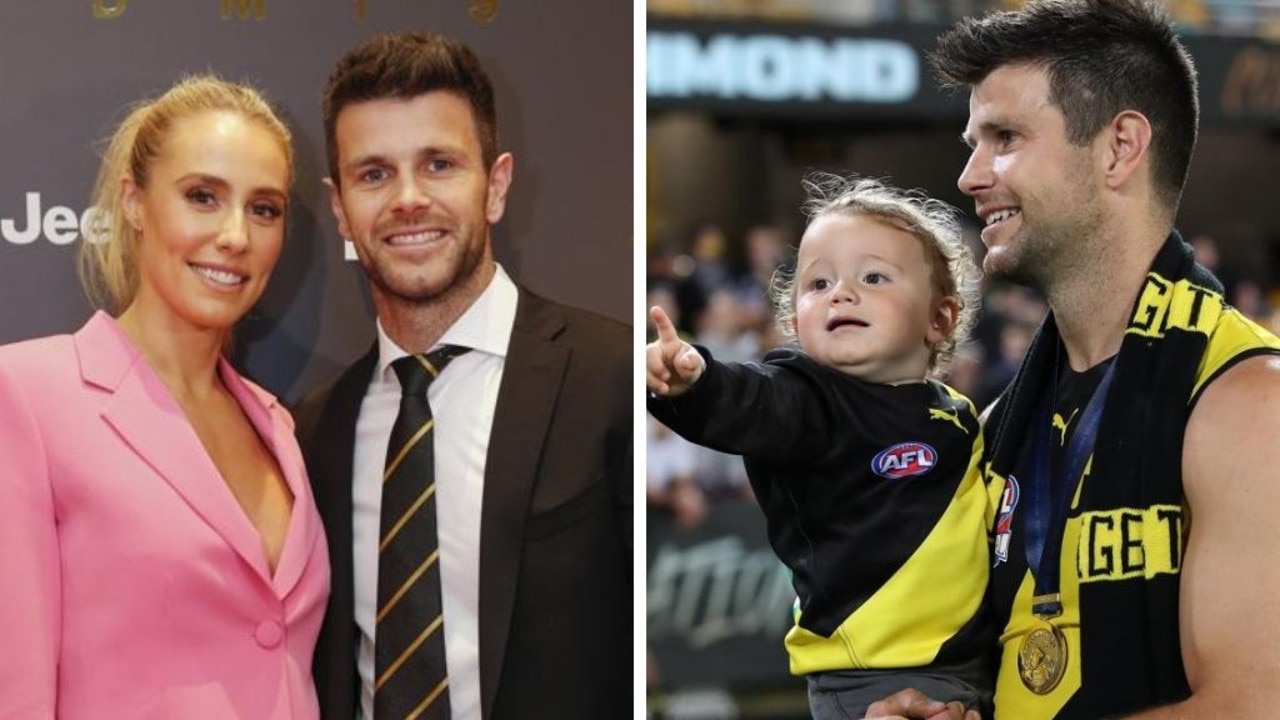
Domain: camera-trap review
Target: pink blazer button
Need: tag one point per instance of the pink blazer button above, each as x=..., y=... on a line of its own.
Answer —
x=269, y=634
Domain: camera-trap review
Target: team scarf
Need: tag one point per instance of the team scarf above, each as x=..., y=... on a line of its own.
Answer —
x=1130, y=651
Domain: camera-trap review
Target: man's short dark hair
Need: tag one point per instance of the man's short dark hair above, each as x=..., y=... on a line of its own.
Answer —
x=404, y=66
x=1102, y=57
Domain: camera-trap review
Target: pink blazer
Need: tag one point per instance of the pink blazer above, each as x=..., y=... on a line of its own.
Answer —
x=132, y=585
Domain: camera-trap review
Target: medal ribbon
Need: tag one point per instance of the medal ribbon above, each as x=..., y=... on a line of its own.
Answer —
x=1046, y=516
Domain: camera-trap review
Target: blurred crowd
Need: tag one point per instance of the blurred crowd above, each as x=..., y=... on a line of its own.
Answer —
x=716, y=290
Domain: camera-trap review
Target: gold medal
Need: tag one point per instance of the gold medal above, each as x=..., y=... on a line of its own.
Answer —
x=1042, y=658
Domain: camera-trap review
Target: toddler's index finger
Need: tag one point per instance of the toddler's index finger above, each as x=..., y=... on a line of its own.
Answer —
x=662, y=323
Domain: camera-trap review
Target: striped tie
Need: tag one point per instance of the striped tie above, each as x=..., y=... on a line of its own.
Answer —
x=410, y=675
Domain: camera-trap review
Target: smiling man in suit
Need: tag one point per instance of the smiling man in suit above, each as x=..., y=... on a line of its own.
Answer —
x=491, y=580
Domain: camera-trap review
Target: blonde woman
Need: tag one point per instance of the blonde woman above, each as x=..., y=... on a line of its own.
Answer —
x=161, y=553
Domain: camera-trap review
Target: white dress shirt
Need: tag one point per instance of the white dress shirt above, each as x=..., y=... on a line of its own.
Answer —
x=462, y=400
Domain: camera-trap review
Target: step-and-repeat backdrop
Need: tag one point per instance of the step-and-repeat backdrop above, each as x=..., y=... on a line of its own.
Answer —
x=69, y=69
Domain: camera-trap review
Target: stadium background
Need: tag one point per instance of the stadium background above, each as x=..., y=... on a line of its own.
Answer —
x=744, y=98
x=68, y=70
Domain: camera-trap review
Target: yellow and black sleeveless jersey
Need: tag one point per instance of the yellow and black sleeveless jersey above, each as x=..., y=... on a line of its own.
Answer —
x=1096, y=546
x=872, y=498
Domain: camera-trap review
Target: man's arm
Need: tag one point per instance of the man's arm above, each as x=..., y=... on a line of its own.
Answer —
x=1231, y=570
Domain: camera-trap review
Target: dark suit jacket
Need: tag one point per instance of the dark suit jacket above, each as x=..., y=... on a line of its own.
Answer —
x=555, y=535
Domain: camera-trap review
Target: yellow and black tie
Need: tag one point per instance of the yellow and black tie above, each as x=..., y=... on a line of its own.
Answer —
x=411, y=680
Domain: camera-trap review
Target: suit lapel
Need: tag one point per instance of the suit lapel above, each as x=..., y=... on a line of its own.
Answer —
x=327, y=432
x=532, y=375
x=263, y=410
x=327, y=429
x=150, y=422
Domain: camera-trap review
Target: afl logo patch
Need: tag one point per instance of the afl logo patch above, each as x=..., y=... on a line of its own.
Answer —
x=904, y=459
x=1004, y=520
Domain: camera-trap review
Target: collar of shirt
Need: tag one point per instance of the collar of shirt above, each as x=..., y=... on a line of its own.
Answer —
x=485, y=327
